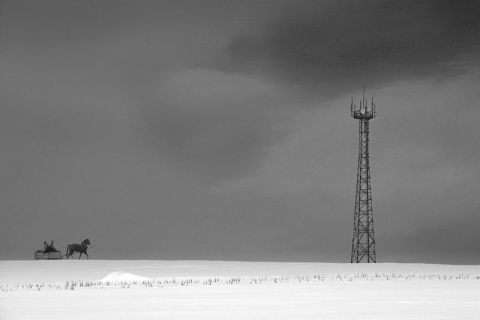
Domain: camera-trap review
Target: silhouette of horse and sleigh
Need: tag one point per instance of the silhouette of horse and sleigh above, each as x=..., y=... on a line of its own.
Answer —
x=49, y=252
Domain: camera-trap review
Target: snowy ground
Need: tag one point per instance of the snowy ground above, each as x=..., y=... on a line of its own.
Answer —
x=93, y=289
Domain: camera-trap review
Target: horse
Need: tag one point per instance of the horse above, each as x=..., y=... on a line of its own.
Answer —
x=75, y=247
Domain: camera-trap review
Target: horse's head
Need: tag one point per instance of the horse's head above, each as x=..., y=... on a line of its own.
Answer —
x=87, y=241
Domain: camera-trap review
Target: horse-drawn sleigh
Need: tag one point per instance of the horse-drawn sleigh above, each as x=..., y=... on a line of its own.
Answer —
x=50, y=253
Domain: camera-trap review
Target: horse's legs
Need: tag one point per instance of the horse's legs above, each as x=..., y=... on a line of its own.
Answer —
x=86, y=254
x=80, y=256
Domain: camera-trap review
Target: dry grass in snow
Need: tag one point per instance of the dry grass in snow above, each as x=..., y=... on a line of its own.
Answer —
x=236, y=290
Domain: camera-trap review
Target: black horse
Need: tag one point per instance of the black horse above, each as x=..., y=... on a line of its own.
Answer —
x=75, y=247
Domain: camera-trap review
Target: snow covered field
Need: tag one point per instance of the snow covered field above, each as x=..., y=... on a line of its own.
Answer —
x=111, y=289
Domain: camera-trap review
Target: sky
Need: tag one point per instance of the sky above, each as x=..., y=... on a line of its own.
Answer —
x=221, y=130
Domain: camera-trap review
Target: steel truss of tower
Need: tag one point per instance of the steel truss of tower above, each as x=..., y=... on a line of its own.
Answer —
x=363, y=242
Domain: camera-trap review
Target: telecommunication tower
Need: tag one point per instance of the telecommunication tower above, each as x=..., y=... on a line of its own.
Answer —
x=363, y=242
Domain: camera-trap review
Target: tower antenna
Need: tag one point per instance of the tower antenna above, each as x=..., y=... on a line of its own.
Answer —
x=363, y=242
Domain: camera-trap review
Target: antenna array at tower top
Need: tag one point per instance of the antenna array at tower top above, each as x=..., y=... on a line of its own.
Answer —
x=365, y=111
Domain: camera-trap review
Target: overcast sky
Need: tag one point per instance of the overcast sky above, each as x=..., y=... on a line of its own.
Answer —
x=222, y=130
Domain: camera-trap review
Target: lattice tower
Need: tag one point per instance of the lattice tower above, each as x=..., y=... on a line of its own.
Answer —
x=363, y=242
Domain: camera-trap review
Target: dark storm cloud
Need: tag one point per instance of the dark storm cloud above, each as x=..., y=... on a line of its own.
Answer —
x=141, y=62
x=341, y=45
x=211, y=122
